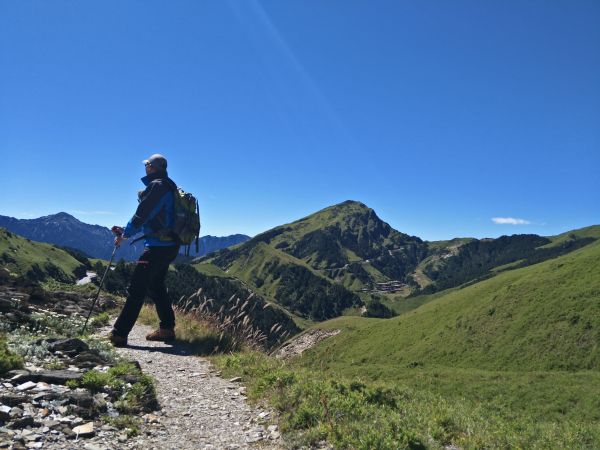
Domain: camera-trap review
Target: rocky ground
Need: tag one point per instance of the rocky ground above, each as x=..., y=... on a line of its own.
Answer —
x=53, y=402
x=302, y=342
x=199, y=409
x=39, y=410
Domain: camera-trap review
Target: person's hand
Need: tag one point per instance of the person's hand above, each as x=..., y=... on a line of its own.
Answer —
x=118, y=231
x=118, y=240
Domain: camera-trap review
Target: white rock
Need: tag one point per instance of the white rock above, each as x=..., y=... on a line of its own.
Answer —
x=85, y=429
x=26, y=386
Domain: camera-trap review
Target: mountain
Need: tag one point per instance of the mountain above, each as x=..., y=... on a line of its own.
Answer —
x=210, y=244
x=349, y=250
x=37, y=261
x=316, y=266
x=96, y=241
x=347, y=243
x=542, y=317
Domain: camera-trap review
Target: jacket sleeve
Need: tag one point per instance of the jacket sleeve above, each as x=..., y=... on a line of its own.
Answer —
x=149, y=200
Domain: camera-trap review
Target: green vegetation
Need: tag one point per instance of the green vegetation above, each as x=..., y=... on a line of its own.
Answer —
x=310, y=266
x=203, y=338
x=37, y=261
x=353, y=411
x=541, y=317
x=8, y=360
x=509, y=362
x=141, y=396
x=126, y=422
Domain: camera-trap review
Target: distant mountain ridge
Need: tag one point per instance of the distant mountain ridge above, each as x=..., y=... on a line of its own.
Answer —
x=321, y=264
x=96, y=241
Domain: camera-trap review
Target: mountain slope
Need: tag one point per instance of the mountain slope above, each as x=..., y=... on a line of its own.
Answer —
x=286, y=280
x=346, y=243
x=96, y=241
x=455, y=262
x=37, y=261
x=542, y=317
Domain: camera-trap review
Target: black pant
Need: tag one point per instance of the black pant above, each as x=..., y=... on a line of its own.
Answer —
x=148, y=279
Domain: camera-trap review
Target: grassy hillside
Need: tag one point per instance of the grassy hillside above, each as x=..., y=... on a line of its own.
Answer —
x=508, y=362
x=542, y=317
x=35, y=260
x=346, y=243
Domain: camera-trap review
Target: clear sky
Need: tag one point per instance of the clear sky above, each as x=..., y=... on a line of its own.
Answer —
x=440, y=115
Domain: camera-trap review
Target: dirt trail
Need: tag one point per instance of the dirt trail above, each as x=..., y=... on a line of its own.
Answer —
x=200, y=410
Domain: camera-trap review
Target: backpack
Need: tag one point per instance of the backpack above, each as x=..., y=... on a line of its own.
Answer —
x=186, y=221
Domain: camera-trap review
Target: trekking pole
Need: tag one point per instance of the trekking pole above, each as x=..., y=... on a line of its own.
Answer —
x=99, y=289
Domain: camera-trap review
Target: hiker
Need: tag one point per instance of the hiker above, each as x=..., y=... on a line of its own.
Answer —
x=154, y=216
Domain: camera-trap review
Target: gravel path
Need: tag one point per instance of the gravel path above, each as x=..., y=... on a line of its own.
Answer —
x=199, y=409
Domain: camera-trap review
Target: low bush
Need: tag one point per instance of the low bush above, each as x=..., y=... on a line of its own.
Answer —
x=8, y=360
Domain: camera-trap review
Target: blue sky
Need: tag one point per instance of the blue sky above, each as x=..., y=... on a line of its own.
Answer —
x=442, y=116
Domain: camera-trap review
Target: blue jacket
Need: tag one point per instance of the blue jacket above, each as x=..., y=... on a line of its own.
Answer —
x=155, y=213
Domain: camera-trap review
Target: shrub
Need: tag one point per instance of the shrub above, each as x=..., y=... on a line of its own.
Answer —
x=8, y=360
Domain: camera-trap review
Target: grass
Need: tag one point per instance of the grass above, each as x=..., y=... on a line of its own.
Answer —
x=8, y=360
x=139, y=396
x=126, y=422
x=202, y=337
x=509, y=362
x=541, y=317
x=22, y=256
x=350, y=411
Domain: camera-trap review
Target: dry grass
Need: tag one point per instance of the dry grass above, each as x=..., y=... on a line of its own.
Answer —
x=211, y=331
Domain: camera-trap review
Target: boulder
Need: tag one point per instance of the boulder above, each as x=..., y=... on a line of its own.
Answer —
x=14, y=399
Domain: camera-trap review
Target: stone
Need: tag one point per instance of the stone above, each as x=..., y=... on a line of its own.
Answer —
x=51, y=423
x=34, y=444
x=16, y=412
x=42, y=387
x=93, y=447
x=18, y=374
x=100, y=403
x=68, y=432
x=88, y=360
x=151, y=418
x=81, y=397
x=85, y=430
x=69, y=346
x=26, y=386
x=5, y=413
x=235, y=380
x=274, y=435
x=22, y=422
x=58, y=376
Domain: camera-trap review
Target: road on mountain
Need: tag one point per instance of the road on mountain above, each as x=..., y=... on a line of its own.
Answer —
x=199, y=409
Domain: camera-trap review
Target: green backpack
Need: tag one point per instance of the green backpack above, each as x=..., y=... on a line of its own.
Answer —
x=186, y=223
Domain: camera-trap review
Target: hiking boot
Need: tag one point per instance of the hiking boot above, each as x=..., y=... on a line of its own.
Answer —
x=117, y=341
x=162, y=334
